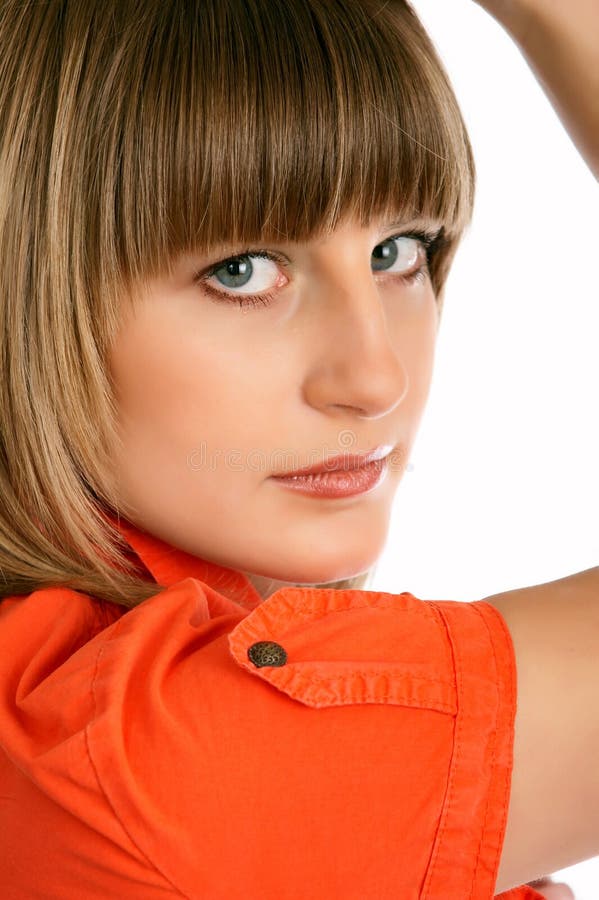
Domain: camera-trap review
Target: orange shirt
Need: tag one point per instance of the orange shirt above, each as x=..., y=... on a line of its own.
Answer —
x=213, y=746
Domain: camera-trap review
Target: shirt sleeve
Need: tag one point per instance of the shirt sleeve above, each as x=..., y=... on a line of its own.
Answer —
x=353, y=744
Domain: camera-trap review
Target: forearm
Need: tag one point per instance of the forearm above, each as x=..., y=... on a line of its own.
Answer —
x=560, y=42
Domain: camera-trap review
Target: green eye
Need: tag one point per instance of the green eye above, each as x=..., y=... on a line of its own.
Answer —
x=386, y=254
x=235, y=272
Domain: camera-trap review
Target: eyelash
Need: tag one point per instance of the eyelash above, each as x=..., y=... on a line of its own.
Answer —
x=431, y=241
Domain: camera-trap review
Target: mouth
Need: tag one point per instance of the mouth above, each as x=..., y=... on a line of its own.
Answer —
x=342, y=476
x=342, y=462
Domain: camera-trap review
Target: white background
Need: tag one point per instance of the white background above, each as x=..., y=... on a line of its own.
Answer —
x=504, y=489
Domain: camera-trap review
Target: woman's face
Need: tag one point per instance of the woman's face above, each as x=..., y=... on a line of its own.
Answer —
x=215, y=398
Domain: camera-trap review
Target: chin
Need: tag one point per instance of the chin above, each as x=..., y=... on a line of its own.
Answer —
x=310, y=575
x=314, y=561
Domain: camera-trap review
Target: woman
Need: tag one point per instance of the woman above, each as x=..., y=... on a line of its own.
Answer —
x=226, y=230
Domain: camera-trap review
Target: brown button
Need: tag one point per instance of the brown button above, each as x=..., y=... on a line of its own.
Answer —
x=267, y=653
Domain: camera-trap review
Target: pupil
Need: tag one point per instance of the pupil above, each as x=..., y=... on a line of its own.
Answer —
x=384, y=255
x=235, y=273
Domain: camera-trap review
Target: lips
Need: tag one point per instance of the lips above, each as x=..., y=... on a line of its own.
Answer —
x=344, y=462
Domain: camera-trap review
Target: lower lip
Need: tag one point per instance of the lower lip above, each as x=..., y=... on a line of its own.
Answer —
x=341, y=483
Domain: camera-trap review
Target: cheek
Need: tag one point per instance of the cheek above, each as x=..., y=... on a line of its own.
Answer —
x=415, y=330
x=420, y=356
x=173, y=395
x=168, y=378
x=185, y=395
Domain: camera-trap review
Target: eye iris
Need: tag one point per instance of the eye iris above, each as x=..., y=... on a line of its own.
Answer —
x=384, y=255
x=235, y=273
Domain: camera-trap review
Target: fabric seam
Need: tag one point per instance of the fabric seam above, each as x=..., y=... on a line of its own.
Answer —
x=447, y=800
x=512, y=697
x=308, y=612
x=492, y=773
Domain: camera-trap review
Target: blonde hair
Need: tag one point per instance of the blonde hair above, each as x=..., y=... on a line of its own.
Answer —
x=131, y=132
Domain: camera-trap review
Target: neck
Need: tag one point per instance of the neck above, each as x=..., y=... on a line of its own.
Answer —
x=267, y=586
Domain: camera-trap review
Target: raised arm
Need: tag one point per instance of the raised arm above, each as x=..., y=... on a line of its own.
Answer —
x=560, y=42
x=553, y=817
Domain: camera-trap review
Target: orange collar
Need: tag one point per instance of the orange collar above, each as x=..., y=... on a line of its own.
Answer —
x=168, y=565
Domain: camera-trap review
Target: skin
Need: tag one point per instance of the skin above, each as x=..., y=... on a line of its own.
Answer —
x=340, y=361
x=552, y=891
x=558, y=40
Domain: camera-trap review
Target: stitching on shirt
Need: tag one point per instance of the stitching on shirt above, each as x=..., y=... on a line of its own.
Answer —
x=319, y=612
x=101, y=787
x=512, y=702
x=454, y=765
x=400, y=699
x=315, y=679
x=506, y=772
x=306, y=606
x=492, y=768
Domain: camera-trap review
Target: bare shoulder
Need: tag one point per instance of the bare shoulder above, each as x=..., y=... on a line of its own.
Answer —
x=553, y=817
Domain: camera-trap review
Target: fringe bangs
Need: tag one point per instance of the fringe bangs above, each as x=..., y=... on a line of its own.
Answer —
x=252, y=122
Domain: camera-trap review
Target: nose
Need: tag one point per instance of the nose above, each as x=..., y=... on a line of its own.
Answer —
x=356, y=362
